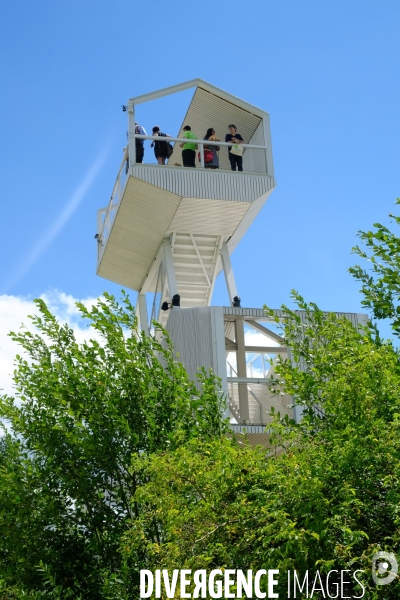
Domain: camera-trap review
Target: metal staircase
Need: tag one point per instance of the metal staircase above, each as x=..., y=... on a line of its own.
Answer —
x=195, y=260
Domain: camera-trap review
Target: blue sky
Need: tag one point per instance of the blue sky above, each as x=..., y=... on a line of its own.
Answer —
x=327, y=72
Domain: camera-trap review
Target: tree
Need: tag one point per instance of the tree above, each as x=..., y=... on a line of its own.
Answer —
x=381, y=289
x=115, y=462
x=330, y=501
x=80, y=412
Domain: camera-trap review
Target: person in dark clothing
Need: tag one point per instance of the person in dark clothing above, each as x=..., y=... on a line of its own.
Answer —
x=236, y=138
x=189, y=148
x=210, y=135
x=160, y=148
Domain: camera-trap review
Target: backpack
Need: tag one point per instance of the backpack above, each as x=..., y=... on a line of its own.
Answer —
x=167, y=148
x=208, y=156
x=170, y=150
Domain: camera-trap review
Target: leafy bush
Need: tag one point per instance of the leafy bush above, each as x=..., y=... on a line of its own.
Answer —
x=330, y=501
x=81, y=411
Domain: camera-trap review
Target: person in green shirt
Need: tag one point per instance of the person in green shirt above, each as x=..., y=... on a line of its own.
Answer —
x=188, y=148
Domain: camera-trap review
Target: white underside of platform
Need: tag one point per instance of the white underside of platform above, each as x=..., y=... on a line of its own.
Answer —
x=205, y=183
x=149, y=212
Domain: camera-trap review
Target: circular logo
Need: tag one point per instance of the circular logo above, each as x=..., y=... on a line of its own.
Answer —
x=384, y=568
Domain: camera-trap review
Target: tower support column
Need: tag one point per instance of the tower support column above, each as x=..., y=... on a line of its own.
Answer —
x=142, y=313
x=169, y=268
x=228, y=272
x=242, y=371
x=131, y=133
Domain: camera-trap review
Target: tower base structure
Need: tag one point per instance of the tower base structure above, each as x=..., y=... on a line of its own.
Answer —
x=239, y=345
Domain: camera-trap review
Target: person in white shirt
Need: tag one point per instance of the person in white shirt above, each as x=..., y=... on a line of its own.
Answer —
x=139, y=145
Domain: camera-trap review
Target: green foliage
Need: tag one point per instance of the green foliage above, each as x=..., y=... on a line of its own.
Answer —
x=80, y=413
x=115, y=462
x=329, y=501
x=381, y=284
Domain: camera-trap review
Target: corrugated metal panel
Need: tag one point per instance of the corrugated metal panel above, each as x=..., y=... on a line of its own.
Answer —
x=355, y=319
x=247, y=313
x=256, y=160
x=248, y=428
x=209, y=110
x=247, y=220
x=136, y=234
x=258, y=314
x=204, y=85
x=199, y=334
x=147, y=213
x=208, y=217
x=259, y=394
x=245, y=223
x=201, y=183
x=245, y=435
x=195, y=338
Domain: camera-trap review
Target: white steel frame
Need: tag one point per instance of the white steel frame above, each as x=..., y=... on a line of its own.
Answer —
x=241, y=378
x=186, y=85
x=163, y=266
x=133, y=136
x=169, y=268
x=228, y=272
x=222, y=94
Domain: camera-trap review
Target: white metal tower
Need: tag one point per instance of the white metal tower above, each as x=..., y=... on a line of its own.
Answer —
x=170, y=230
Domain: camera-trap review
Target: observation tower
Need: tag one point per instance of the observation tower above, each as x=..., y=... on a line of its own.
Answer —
x=169, y=230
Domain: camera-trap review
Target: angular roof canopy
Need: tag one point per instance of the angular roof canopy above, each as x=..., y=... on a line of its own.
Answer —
x=208, y=87
x=196, y=210
x=213, y=107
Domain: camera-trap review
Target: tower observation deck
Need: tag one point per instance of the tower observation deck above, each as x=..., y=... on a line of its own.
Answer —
x=170, y=230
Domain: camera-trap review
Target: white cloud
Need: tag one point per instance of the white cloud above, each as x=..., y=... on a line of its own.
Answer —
x=14, y=311
x=255, y=338
x=254, y=367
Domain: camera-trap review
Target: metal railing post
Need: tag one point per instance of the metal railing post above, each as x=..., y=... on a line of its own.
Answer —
x=201, y=145
x=242, y=370
x=100, y=214
x=142, y=306
x=118, y=186
x=131, y=152
x=131, y=134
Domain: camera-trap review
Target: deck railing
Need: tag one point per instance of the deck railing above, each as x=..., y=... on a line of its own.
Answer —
x=200, y=143
x=106, y=215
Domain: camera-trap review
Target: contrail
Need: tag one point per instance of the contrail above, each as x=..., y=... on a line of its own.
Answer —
x=60, y=222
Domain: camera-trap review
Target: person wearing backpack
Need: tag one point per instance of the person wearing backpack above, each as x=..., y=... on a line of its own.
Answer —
x=161, y=149
x=189, y=148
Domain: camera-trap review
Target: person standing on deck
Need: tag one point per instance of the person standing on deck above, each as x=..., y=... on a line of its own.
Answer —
x=236, y=138
x=139, y=144
x=189, y=148
x=210, y=135
x=160, y=148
